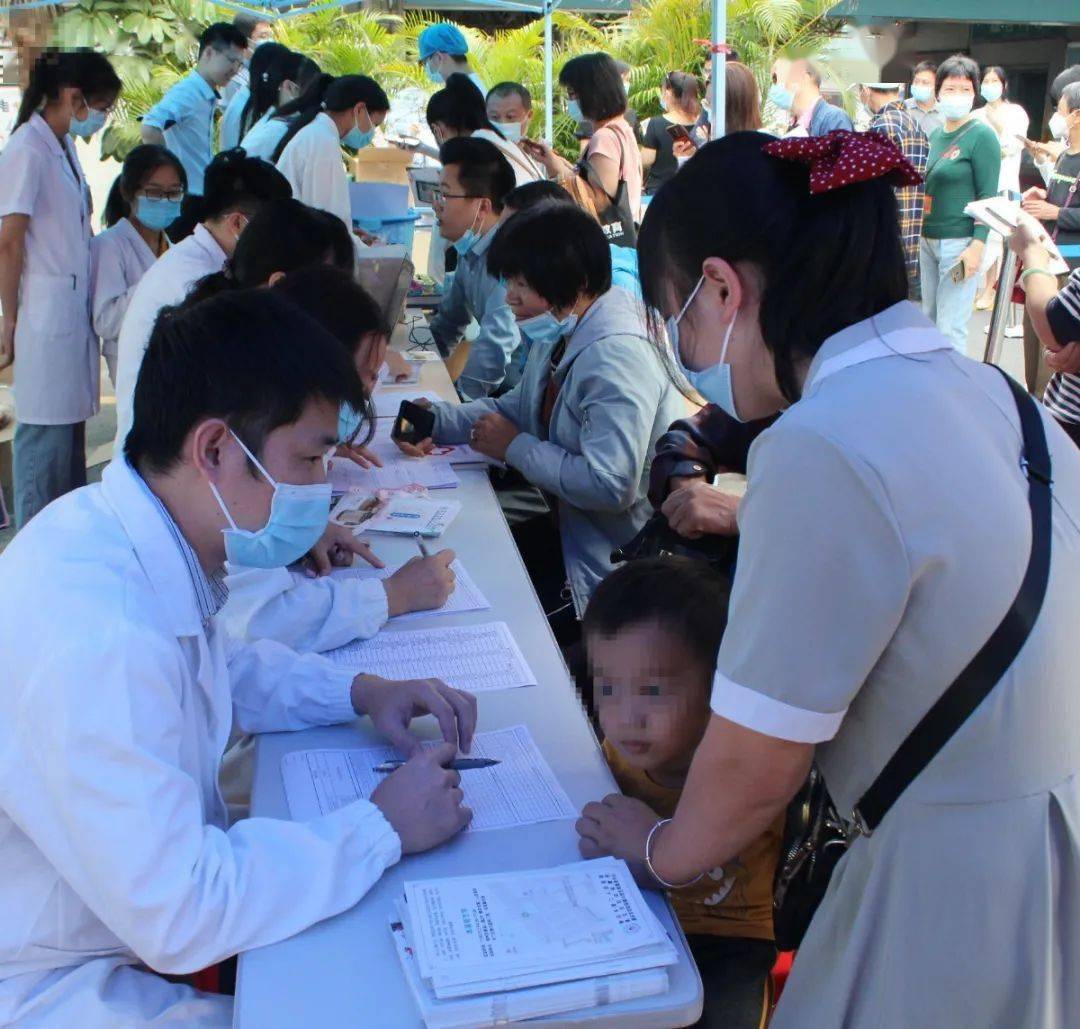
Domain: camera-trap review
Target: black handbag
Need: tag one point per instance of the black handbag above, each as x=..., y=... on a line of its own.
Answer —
x=658, y=539
x=816, y=836
x=616, y=220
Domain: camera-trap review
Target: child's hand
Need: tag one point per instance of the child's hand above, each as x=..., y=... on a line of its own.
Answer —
x=618, y=826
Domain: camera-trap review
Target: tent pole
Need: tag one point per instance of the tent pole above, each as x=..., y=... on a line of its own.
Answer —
x=549, y=116
x=719, y=80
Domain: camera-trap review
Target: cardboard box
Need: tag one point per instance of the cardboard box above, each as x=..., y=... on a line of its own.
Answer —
x=382, y=164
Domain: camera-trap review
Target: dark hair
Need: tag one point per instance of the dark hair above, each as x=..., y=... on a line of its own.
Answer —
x=599, y=87
x=460, y=106
x=284, y=235
x=250, y=358
x=138, y=166
x=558, y=249
x=248, y=23
x=958, y=66
x=270, y=66
x=521, y=198
x=221, y=35
x=334, y=298
x=742, y=102
x=922, y=66
x=482, y=170
x=338, y=94
x=996, y=69
x=685, y=597
x=826, y=260
x=54, y=70
x=503, y=89
x=303, y=109
x=236, y=182
x=1071, y=95
x=685, y=87
x=1057, y=87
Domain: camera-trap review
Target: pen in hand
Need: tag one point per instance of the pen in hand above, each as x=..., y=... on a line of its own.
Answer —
x=420, y=543
x=462, y=764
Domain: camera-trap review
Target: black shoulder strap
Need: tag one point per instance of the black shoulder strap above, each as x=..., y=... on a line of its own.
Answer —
x=976, y=681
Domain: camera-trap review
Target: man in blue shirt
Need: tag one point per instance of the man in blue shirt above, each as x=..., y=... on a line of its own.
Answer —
x=474, y=182
x=797, y=88
x=183, y=119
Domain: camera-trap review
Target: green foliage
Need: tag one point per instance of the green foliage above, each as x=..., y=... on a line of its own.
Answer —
x=152, y=43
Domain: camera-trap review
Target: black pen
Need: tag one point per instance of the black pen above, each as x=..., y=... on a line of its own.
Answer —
x=461, y=764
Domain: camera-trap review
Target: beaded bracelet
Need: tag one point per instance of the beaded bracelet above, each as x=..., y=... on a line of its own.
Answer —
x=649, y=864
x=1036, y=271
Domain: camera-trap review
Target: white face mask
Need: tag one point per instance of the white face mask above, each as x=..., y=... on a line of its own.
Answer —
x=510, y=129
x=1059, y=126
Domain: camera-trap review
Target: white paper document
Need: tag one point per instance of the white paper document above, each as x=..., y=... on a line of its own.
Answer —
x=478, y=933
x=401, y=513
x=521, y=790
x=383, y=447
x=388, y=378
x=468, y=657
x=388, y=401
x=397, y=471
x=466, y=595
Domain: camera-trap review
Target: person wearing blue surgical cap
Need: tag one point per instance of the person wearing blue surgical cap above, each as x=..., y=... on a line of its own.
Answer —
x=444, y=51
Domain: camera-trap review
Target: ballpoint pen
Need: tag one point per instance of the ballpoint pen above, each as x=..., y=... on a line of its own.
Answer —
x=461, y=764
x=420, y=543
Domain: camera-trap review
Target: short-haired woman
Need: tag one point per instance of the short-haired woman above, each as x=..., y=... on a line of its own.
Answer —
x=964, y=165
x=611, y=164
x=592, y=400
x=885, y=534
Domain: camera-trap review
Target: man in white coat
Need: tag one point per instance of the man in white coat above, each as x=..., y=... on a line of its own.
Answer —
x=120, y=692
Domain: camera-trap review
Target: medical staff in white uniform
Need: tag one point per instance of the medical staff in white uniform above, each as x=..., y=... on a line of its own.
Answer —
x=236, y=187
x=275, y=81
x=45, y=273
x=118, y=860
x=144, y=201
x=444, y=51
x=354, y=106
x=183, y=119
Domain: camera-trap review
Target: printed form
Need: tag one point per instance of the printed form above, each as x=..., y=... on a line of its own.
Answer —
x=468, y=657
x=521, y=790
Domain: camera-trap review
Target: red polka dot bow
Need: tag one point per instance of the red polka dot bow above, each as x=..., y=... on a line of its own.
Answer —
x=840, y=158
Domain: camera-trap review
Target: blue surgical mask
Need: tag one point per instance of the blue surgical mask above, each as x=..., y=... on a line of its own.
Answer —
x=663, y=102
x=546, y=328
x=573, y=108
x=781, y=96
x=86, y=127
x=714, y=382
x=298, y=517
x=511, y=130
x=991, y=92
x=956, y=106
x=469, y=237
x=349, y=422
x=922, y=94
x=156, y=213
x=356, y=138
x=433, y=73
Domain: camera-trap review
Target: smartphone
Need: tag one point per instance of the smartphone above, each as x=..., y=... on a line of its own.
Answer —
x=413, y=423
x=957, y=274
x=679, y=132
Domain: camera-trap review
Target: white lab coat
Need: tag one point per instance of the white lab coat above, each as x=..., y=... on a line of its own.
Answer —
x=312, y=163
x=119, y=258
x=114, y=842
x=166, y=283
x=305, y=614
x=525, y=168
x=262, y=139
x=57, y=363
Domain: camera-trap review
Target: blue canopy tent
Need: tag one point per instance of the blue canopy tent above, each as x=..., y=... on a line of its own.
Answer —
x=279, y=10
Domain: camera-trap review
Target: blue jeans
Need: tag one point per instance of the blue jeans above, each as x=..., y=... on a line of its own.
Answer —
x=49, y=461
x=948, y=303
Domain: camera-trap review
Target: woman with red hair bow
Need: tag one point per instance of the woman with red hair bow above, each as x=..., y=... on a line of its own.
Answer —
x=904, y=503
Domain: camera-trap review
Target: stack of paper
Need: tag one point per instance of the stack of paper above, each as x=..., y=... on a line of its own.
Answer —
x=481, y=949
x=397, y=470
x=386, y=450
x=520, y=790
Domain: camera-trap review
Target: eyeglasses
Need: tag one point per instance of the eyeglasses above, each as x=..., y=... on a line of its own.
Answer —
x=440, y=196
x=159, y=194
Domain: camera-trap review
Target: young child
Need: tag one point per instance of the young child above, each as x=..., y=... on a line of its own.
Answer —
x=652, y=631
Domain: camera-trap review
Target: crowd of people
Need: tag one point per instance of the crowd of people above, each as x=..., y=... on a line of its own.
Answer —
x=897, y=516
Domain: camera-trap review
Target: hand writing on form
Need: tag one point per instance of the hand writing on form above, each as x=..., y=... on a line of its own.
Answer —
x=422, y=584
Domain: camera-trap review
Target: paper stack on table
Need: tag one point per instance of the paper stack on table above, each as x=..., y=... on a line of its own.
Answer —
x=478, y=950
x=386, y=450
x=467, y=657
x=406, y=512
x=520, y=790
x=465, y=597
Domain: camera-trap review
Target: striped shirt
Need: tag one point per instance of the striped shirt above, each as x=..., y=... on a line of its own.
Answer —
x=1062, y=397
x=210, y=590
